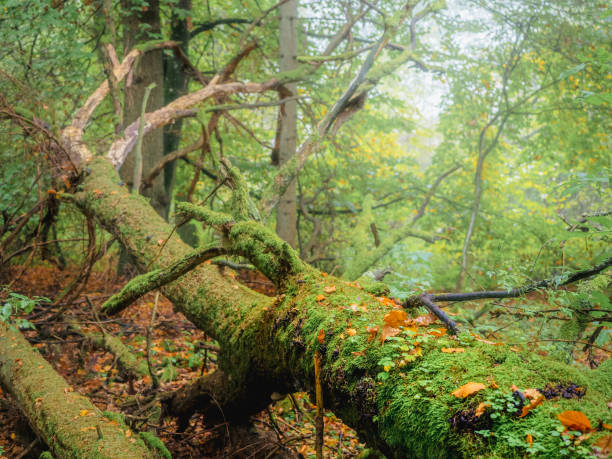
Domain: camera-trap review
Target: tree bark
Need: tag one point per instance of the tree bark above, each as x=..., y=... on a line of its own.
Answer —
x=138, y=28
x=268, y=344
x=286, y=213
x=69, y=423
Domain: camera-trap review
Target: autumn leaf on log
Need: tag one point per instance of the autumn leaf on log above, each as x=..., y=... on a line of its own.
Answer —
x=529, y=439
x=468, y=389
x=536, y=398
x=395, y=318
x=603, y=447
x=388, y=332
x=452, y=350
x=481, y=408
x=321, y=336
x=575, y=420
x=372, y=332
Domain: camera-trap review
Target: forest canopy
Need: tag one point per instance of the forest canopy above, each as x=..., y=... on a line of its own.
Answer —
x=373, y=228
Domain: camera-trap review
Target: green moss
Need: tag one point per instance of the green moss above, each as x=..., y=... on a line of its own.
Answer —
x=46, y=455
x=156, y=444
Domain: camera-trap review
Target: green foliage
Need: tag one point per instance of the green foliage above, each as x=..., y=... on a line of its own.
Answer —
x=16, y=304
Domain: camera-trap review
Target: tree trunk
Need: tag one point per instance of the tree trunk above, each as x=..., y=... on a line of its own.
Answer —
x=396, y=394
x=140, y=27
x=69, y=423
x=286, y=214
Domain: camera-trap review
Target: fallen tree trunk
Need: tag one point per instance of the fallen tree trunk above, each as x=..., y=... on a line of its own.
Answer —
x=393, y=385
x=69, y=423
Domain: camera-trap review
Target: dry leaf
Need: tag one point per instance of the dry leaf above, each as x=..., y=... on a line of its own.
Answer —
x=321, y=336
x=83, y=413
x=423, y=320
x=494, y=385
x=606, y=426
x=438, y=332
x=351, y=332
x=386, y=301
x=330, y=289
x=468, y=389
x=359, y=354
x=575, y=420
x=388, y=332
x=604, y=447
x=395, y=318
x=480, y=409
x=452, y=350
x=529, y=439
x=536, y=398
x=320, y=298
x=372, y=332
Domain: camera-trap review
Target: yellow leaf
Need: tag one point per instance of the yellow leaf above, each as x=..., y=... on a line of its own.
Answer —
x=536, y=398
x=468, y=389
x=351, y=332
x=330, y=289
x=452, y=350
x=395, y=318
x=83, y=413
x=480, y=409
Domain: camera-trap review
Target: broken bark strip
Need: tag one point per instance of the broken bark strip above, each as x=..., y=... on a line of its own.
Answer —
x=69, y=423
x=144, y=283
x=268, y=345
x=129, y=365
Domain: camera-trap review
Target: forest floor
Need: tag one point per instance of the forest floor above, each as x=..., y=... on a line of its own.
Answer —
x=287, y=428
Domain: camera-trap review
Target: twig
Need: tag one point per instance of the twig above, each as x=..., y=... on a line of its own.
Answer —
x=319, y=422
x=154, y=379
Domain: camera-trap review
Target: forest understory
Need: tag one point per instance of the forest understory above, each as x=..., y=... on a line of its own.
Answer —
x=285, y=430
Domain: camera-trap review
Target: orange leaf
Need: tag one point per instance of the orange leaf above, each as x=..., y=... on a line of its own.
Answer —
x=529, y=439
x=451, y=350
x=386, y=301
x=536, y=398
x=330, y=289
x=423, y=320
x=388, y=332
x=351, y=332
x=494, y=385
x=468, y=389
x=321, y=336
x=372, y=332
x=320, y=298
x=358, y=354
x=604, y=446
x=438, y=332
x=480, y=409
x=606, y=426
x=575, y=420
x=395, y=318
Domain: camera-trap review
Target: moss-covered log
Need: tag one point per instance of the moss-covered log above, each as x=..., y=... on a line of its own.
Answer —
x=396, y=394
x=128, y=363
x=69, y=423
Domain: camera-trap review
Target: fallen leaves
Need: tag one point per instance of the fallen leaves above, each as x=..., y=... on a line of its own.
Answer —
x=388, y=332
x=575, y=420
x=468, y=389
x=320, y=298
x=351, y=332
x=603, y=447
x=536, y=398
x=529, y=439
x=330, y=289
x=481, y=408
x=321, y=336
x=452, y=350
x=372, y=332
x=395, y=318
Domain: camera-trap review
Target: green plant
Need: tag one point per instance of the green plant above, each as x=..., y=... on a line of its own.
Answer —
x=17, y=304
